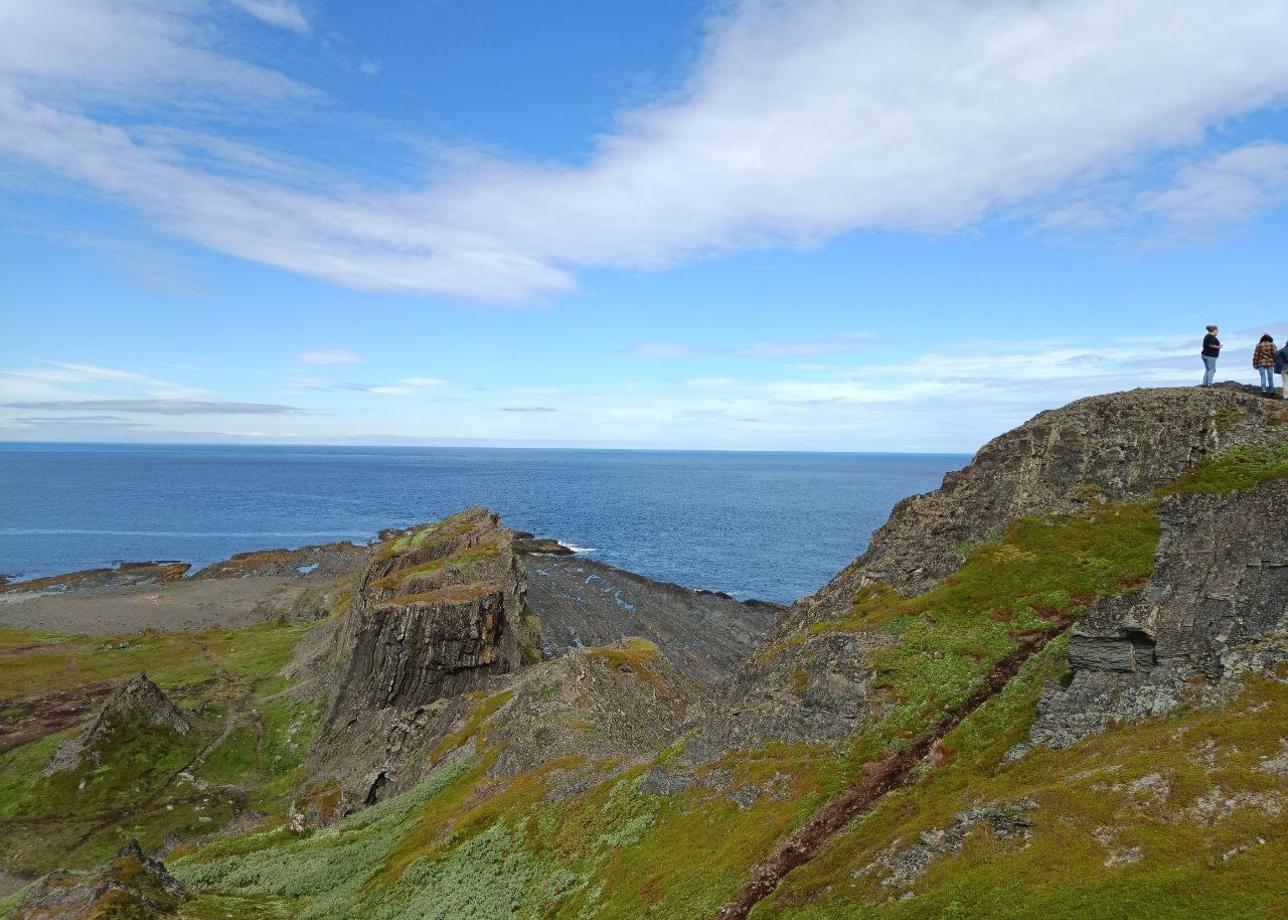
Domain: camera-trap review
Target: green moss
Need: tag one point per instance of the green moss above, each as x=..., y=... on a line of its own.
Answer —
x=1043, y=573
x=1234, y=470
x=321, y=875
x=1137, y=786
x=9, y=905
x=137, y=788
x=636, y=656
x=483, y=710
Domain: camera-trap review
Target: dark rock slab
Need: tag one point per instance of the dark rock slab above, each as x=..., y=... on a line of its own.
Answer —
x=127, y=574
x=1215, y=608
x=583, y=603
x=322, y=559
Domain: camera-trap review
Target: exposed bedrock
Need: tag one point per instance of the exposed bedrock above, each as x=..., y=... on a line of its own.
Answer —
x=138, y=705
x=582, y=603
x=1111, y=448
x=1215, y=608
x=133, y=885
x=438, y=611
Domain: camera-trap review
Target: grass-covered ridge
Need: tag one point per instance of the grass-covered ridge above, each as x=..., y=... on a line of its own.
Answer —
x=147, y=784
x=1180, y=817
x=1042, y=574
x=1237, y=469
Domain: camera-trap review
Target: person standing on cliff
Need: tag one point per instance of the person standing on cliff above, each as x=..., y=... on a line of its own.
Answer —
x=1263, y=359
x=1211, y=351
x=1281, y=365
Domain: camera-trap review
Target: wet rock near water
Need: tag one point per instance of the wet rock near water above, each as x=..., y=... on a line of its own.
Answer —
x=322, y=560
x=583, y=603
x=124, y=575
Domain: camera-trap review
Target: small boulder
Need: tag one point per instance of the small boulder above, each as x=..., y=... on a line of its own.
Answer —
x=133, y=884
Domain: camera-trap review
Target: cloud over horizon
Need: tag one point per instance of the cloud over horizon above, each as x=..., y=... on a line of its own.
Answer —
x=798, y=122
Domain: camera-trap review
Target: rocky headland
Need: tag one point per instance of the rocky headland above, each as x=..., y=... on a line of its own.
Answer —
x=1057, y=686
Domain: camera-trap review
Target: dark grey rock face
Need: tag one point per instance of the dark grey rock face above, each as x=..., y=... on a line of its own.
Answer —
x=583, y=603
x=1112, y=448
x=437, y=613
x=1215, y=608
x=322, y=559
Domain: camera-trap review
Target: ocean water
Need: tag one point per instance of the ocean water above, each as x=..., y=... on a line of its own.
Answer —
x=774, y=526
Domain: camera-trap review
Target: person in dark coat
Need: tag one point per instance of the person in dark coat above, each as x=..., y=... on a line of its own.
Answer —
x=1211, y=351
x=1281, y=366
x=1263, y=359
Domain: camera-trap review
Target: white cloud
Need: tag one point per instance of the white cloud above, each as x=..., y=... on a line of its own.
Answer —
x=285, y=14
x=422, y=382
x=1230, y=188
x=801, y=120
x=328, y=356
x=126, y=51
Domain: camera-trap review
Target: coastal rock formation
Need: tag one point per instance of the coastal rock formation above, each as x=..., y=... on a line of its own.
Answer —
x=323, y=559
x=583, y=603
x=1112, y=448
x=139, y=704
x=1215, y=608
x=132, y=885
x=127, y=574
x=438, y=611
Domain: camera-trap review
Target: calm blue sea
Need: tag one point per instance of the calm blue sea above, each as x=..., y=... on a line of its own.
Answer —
x=767, y=525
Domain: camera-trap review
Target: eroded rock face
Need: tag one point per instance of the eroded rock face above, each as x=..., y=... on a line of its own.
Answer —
x=131, y=885
x=583, y=603
x=1112, y=448
x=1215, y=608
x=139, y=703
x=322, y=559
x=437, y=613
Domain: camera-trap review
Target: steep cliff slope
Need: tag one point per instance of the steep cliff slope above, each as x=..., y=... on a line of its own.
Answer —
x=1066, y=700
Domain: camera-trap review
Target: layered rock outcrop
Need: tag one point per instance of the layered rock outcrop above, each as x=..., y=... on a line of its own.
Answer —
x=1112, y=448
x=437, y=613
x=583, y=603
x=1215, y=609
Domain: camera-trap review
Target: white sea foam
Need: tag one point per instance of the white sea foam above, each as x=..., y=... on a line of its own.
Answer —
x=579, y=550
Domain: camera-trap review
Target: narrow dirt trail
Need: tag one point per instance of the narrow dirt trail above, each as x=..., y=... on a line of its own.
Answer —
x=876, y=780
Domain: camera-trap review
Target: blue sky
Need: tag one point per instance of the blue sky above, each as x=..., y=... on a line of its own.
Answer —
x=815, y=225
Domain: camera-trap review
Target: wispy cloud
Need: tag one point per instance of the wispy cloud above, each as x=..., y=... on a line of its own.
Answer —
x=404, y=387
x=285, y=14
x=537, y=409
x=328, y=356
x=1230, y=188
x=799, y=121
x=159, y=406
x=776, y=348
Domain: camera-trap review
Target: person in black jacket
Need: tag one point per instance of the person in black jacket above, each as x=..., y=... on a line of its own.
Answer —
x=1211, y=351
x=1281, y=367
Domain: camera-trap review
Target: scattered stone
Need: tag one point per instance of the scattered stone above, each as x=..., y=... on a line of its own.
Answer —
x=131, y=885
